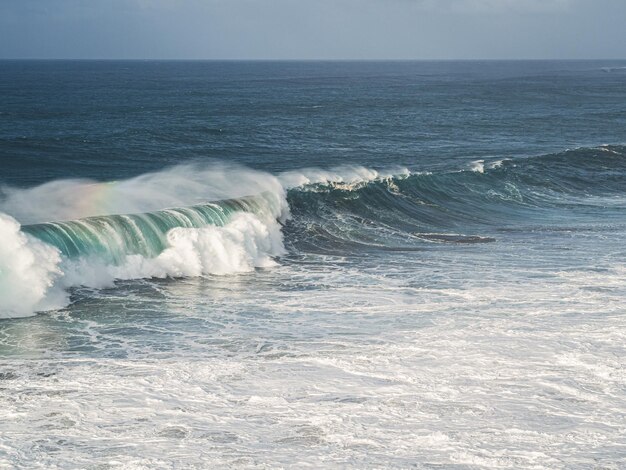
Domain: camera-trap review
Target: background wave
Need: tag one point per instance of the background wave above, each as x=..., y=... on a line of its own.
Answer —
x=400, y=211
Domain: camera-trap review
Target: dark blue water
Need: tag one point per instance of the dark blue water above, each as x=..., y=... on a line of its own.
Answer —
x=338, y=264
x=109, y=120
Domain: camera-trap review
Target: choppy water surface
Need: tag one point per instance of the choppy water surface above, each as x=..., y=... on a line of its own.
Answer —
x=445, y=289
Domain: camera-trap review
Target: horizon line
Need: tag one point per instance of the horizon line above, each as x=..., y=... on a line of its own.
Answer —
x=166, y=59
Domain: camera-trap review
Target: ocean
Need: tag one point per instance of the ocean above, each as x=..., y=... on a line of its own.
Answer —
x=312, y=264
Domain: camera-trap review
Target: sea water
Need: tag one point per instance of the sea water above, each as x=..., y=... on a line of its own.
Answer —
x=323, y=264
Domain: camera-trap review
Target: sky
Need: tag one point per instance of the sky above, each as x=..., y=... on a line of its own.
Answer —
x=313, y=29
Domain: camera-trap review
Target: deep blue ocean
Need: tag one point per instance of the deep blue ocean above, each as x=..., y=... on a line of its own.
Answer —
x=325, y=264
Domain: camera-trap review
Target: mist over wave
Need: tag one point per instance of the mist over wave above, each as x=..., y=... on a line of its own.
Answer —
x=177, y=186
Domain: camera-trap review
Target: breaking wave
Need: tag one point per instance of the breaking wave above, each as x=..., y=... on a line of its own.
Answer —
x=99, y=242
x=219, y=219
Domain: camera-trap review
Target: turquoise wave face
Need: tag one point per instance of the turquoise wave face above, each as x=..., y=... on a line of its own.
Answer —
x=113, y=237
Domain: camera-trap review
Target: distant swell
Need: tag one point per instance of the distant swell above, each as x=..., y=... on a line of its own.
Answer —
x=345, y=210
x=394, y=211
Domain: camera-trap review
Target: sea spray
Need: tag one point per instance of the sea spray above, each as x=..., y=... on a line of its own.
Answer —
x=29, y=270
x=178, y=186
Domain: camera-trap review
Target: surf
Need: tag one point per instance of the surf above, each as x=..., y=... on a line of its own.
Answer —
x=41, y=261
x=195, y=220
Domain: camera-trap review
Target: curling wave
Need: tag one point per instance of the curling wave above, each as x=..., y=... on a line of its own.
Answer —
x=40, y=262
x=123, y=231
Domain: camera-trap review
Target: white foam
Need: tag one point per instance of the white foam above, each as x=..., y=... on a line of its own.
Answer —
x=28, y=272
x=478, y=166
x=497, y=163
x=349, y=175
x=34, y=277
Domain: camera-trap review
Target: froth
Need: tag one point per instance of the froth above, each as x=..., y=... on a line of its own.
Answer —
x=29, y=270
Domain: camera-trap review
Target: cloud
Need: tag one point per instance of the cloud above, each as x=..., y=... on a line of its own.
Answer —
x=311, y=29
x=491, y=6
